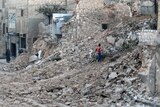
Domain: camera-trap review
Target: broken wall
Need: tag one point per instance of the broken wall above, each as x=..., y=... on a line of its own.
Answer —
x=154, y=73
x=89, y=18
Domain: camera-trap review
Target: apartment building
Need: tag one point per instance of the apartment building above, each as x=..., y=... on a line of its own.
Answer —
x=2, y=28
x=21, y=22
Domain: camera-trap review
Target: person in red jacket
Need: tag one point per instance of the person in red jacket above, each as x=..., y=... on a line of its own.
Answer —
x=99, y=52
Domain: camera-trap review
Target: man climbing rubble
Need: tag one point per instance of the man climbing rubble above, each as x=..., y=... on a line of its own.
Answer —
x=99, y=52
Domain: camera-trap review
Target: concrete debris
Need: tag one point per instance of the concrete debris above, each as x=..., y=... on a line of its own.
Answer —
x=20, y=62
x=111, y=40
x=120, y=42
x=113, y=75
x=33, y=58
x=68, y=75
x=86, y=90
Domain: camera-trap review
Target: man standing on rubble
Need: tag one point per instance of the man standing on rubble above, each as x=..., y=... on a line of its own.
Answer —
x=99, y=52
x=8, y=55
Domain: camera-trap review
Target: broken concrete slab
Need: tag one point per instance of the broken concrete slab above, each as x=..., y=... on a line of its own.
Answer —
x=113, y=75
x=86, y=90
x=111, y=40
x=119, y=43
x=33, y=58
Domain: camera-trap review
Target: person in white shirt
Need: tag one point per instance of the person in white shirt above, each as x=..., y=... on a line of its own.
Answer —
x=39, y=54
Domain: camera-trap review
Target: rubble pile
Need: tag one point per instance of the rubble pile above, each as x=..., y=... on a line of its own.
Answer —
x=136, y=8
x=115, y=39
x=115, y=84
x=68, y=74
x=82, y=34
x=45, y=44
x=76, y=81
x=19, y=63
x=106, y=83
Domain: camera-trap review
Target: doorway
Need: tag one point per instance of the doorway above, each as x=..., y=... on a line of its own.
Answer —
x=13, y=50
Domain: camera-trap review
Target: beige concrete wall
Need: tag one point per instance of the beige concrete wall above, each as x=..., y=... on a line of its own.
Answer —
x=158, y=15
x=29, y=7
x=16, y=3
x=41, y=2
x=32, y=13
x=1, y=4
x=2, y=46
x=21, y=25
x=28, y=24
x=1, y=13
x=2, y=20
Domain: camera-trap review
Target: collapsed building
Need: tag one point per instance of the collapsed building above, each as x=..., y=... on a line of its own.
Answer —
x=68, y=74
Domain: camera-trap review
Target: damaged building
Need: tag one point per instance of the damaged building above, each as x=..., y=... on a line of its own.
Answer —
x=22, y=26
x=68, y=73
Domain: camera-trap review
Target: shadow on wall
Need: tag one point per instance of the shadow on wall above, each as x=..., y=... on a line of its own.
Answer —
x=44, y=30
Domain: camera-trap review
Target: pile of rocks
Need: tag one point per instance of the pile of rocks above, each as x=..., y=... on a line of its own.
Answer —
x=71, y=77
x=65, y=84
x=78, y=46
x=115, y=84
x=95, y=84
x=19, y=63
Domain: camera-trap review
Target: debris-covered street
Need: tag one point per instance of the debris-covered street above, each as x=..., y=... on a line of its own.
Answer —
x=80, y=53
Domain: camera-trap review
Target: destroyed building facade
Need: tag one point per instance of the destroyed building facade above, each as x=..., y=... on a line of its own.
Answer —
x=69, y=76
x=21, y=23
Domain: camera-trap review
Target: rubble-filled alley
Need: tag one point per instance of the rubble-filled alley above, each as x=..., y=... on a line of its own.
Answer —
x=68, y=73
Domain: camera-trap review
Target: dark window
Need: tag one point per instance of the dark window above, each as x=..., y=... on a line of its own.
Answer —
x=13, y=49
x=22, y=12
x=34, y=39
x=59, y=36
x=24, y=35
x=4, y=28
x=23, y=42
x=104, y=26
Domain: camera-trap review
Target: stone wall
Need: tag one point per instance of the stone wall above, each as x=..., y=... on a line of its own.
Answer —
x=147, y=37
x=16, y=3
x=2, y=20
x=2, y=47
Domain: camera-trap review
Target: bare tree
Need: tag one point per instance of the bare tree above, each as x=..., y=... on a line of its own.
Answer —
x=49, y=9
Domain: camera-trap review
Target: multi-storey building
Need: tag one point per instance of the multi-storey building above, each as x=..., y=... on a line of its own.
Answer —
x=22, y=21
x=2, y=28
